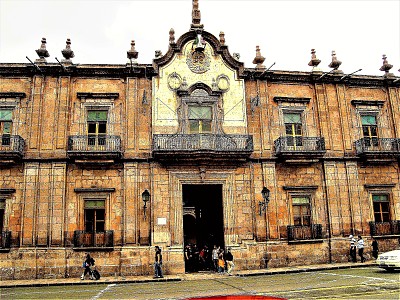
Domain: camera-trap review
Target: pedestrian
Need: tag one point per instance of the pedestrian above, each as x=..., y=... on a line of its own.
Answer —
x=221, y=261
x=229, y=261
x=353, y=251
x=87, y=263
x=375, y=249
x=214, y=255
x=360, y=247
x=188, y=254
x=158, y=263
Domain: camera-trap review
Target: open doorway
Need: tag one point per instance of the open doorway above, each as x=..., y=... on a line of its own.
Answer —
x=203, y=225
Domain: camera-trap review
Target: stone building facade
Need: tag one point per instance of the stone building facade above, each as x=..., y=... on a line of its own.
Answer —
x=115, y=159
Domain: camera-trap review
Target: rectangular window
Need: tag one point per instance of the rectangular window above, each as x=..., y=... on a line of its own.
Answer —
x=200, y=118
x=5, y=126
x=301, y=211
x=97, y=127
x=381, y=208
x=370, y=130
x=2, y=210
x=293, y=129
x=95, y=215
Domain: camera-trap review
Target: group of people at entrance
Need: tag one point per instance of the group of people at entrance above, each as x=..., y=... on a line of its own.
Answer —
x=357, y=245
x=205, y=260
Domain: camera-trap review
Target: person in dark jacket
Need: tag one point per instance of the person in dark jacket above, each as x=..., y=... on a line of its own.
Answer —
x=158, y=263
x=375, y=249
x=87, y=263
x=229, y=261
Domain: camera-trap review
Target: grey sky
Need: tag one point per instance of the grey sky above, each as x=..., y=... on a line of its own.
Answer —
x=101, y=31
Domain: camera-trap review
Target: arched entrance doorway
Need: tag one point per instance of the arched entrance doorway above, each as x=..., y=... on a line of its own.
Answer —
x=203, y=225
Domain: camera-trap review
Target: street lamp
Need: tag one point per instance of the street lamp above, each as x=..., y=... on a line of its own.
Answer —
x=145, y=198
x=263, y=204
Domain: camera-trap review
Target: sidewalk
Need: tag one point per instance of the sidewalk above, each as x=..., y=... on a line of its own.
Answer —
x=167, y=278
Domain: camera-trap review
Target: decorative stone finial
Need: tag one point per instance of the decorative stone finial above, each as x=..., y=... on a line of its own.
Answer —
x=196, y=16
x=236, y=56
x=386, y=67
x=67, y=53
x=132, y=54
x=222, y=38
x=42, y=52
x=314, y=62
x=335, y=64
x=158, y=53
x=258, y=59
x=171, y=36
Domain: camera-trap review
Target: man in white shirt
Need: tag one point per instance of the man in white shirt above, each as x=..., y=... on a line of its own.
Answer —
x=360, y=247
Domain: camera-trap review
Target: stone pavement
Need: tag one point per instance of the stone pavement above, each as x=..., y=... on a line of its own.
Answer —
x=192, y=276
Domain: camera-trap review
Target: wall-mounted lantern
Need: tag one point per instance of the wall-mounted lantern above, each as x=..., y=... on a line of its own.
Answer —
x=145, y=198
x=263, y=204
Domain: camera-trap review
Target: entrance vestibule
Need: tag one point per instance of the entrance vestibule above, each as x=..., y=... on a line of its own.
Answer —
x=202, y=223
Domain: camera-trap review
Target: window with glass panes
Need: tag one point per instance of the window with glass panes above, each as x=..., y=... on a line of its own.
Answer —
x=97, y=127
x=370, y=130
x=301, y=211
x=95, y=215
x=381, y=208
x=293, y=129
x=5, y=126
x=200, y=119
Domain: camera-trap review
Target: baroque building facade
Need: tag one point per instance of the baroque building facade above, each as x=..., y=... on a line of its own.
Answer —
x=194, y=148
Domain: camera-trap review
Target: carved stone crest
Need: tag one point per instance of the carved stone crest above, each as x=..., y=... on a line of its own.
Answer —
x=198, y=61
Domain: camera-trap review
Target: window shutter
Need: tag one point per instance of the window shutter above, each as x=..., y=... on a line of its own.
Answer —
x=5, y=115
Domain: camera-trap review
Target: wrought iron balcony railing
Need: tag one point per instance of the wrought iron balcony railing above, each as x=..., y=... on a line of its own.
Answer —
x=5, y=240
x=94, y=145
x=202, y=141
x=83, y=239
x=385, y=228
x=312, y=232
x=299, y=144
x=202, y=146
x=376, y=146
x=11, y=145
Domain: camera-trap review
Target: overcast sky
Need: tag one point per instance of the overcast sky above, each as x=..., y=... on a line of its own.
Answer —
x=101, y=31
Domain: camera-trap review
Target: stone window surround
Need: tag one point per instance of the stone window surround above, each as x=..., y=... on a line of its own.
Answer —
x=301, y=191
x=97, y=101
x=6, y=194
x=381, y=189
x=11, y=101
x=368, y=107
x=91, y=194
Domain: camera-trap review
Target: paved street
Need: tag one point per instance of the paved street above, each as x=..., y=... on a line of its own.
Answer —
x=349, y=283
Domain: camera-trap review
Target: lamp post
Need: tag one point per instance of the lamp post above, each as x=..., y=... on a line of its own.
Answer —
x=145, y=198
x=263, y=204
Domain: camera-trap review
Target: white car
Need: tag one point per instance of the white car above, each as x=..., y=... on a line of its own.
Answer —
x=389, y=260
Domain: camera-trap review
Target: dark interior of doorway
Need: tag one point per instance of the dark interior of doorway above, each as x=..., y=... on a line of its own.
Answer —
x=203, y=217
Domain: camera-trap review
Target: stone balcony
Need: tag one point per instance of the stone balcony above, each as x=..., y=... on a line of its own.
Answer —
x=83, y=240
x=202, y=147
x=11, y=149
x=299, y=150
x=378, y=150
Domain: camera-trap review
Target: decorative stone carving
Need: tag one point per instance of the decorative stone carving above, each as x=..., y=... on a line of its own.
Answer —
x=386, y=67
x=132, y=54
x=223, y=82
x=171, y=36
x=335, y=64
x=236, y=56
x=67, y=53
x=196, y=15
x=158, y=53
x=222, y=38
x=174, y=81
x=314, y=62
x=259, y=59
x=42, y=52
x=198, y=61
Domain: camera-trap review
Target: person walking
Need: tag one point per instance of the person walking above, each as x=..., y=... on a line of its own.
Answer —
x=360, y=247
x=87, y=263
x=158, y=263
x=375, y=249
x=221, y=262
x=214, y=256
x=229, y=261
x=353, y=251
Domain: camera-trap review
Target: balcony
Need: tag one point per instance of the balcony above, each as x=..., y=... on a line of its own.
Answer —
x=93, y=240
x=202, y=147
x=11, y=149
x=5, y=241
x=385, y=228
x=300, y=149
x=94, y=149
x=378, y=150
x=304, y=233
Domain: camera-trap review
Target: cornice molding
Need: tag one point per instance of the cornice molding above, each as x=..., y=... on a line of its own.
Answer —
x=292, y=99
x=94, y=190
x=299, y=188
x=83, y=95
x=368, y=102
x=12, y=95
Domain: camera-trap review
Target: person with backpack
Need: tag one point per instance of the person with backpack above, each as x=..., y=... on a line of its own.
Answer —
x=87, y=263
